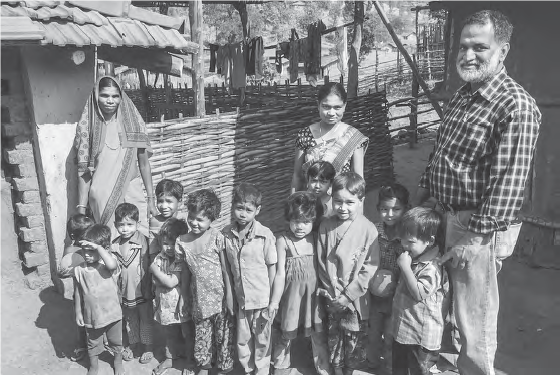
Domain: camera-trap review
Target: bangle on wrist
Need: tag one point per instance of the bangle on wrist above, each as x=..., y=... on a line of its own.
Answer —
x=81, y=206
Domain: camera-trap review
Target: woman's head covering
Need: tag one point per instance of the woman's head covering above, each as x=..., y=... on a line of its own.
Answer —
x=90, y=134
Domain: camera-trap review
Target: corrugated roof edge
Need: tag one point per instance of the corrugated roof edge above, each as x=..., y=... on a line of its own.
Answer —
x=120, y=9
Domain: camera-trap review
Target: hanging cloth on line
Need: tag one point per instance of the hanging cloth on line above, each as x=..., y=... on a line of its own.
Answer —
x=342, y=50
x=255, y=53
x=313, y=48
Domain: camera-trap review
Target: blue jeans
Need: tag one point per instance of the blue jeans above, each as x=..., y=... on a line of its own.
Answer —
x=476, y=300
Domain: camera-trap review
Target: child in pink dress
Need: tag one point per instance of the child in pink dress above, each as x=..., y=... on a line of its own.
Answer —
x=295, y=284
x=211, y=297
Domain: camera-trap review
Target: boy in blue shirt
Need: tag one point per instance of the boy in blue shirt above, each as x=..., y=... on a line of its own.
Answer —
x=251, y=256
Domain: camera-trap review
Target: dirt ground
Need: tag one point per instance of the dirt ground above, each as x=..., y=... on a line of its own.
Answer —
x=37, y=329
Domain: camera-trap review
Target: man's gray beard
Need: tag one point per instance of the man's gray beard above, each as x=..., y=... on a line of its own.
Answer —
x=484, y=73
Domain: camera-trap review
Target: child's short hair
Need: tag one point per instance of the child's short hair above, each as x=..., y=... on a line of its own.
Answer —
x=125, y=210
x=350, y=181
x=77, y=225
x=98, y=234
x=247, y=193
x=302, y=205
x=169, y=187
x=204, y=200
x=173, y=228
x=322, y=170
x=422, y=223
x=393, y=191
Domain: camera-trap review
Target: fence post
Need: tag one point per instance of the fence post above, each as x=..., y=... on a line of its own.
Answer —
x=377, y=69
x=413, y=130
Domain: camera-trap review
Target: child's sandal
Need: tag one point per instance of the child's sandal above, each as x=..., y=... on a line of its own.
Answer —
x=78, y=354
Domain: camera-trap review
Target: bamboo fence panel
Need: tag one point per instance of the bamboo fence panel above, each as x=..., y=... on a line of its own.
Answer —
x=257, y=146
x=199, y=153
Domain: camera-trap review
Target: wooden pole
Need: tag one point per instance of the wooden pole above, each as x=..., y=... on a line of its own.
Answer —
x=145, y=94
x=355, y=49
x=413, y=131
x=408, y=59
x=241, y=7
x=195, y=18
x=377, y=69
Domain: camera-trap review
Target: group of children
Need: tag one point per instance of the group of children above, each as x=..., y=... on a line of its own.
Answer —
x=359, y=290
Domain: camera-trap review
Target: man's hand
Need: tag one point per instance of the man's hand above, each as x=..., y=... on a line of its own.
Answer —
x=80, y=320
x=459, y=256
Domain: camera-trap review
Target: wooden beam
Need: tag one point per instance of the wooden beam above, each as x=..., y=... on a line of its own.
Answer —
x=157, y=61
x=408, y=59
x=355, y=49
x=195, y=18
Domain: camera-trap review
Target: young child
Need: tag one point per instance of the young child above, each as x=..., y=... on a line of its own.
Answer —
x=251, y=255
x=348, y=256
x=392, y=203
x=71, y=258
x=131, y=250
x=295, y=285
x=320, y=176
x=96, y=299
x=421, y=299
x=210, y=288
x=168, y=276
x=169, y=196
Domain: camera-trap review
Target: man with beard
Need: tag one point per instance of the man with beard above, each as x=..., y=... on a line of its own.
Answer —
x=477, y=173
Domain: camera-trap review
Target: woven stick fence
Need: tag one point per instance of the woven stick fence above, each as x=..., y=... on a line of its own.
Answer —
x=217, y=97
x=258, y=147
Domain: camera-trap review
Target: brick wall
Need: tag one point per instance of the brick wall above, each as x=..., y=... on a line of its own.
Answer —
x=18, y=165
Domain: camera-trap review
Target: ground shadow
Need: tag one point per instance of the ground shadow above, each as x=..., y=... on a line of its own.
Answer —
x=56, y=316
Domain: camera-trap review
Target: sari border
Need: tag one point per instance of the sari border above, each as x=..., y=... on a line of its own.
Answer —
x=120, y=186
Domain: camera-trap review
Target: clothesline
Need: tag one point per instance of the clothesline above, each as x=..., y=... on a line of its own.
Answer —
x=327, y=31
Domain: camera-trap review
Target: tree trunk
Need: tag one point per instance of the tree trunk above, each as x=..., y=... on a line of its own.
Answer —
x=355, y=49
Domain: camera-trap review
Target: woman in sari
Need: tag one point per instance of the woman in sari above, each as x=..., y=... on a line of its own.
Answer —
x=113, y=150
x=330, y=139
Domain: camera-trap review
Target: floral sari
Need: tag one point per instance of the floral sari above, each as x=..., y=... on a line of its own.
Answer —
x=337, y=151
x=108, y=151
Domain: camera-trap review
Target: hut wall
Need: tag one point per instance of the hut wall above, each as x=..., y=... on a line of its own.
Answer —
x=57, y=90
x=18, y=167
x=533, y=62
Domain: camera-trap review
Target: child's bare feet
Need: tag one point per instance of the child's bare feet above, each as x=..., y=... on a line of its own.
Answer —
x=93, y=365
x=148, y=355
x=118, y=365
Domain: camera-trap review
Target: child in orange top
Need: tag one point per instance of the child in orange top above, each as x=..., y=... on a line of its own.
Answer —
x=348, y=256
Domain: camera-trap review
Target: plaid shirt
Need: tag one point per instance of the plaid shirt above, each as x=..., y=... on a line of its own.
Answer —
x=483, y=152
x=421, y=323
x=389, y=250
